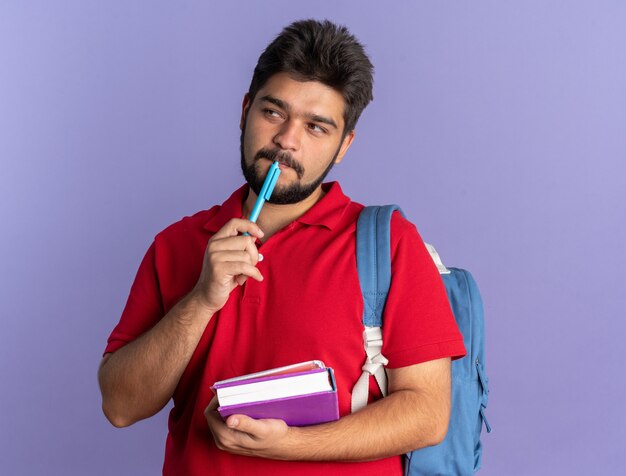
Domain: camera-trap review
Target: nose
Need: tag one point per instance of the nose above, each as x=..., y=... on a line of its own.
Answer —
x=288, y=136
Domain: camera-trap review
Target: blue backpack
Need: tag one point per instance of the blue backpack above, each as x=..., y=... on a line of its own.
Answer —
x=461, y=451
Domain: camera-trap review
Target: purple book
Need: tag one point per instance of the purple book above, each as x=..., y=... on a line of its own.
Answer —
x=298, y=398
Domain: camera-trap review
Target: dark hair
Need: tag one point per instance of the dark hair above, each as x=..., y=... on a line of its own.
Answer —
x=311, y=50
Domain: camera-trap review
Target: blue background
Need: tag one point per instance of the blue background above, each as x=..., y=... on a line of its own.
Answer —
x=498, y=126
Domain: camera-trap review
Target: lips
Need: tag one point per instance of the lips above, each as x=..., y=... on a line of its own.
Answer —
x=284, y=160
x=281, y=165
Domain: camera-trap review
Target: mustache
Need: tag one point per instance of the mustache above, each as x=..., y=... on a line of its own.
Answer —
x=281, y=157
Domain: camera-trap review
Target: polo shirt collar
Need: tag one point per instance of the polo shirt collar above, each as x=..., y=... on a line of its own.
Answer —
x=327, y=212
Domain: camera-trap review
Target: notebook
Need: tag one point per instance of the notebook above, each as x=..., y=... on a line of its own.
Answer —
x=300, y=394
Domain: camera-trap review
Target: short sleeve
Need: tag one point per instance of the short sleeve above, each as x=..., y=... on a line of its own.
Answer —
x=144, y=305
x=418, y=322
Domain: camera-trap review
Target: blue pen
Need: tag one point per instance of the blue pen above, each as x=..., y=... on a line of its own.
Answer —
x=266, y=192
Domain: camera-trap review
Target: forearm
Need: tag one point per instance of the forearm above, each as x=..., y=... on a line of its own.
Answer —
x=401, y=422
x=414, y=415
x=139, y=379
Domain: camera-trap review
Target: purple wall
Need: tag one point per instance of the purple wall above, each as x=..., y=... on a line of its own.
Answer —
x=498, y=126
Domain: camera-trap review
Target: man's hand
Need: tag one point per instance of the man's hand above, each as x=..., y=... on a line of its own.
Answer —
x=414, y=415
x=246, y=436
x=229, y=260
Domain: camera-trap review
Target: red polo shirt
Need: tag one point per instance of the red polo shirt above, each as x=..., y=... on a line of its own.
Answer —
x=308, y=306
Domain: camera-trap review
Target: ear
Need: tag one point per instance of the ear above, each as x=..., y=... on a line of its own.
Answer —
x=345, y=145
x=244, y=110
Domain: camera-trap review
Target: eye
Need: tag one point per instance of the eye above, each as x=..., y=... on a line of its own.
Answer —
x=317, y=128
x=271, y=113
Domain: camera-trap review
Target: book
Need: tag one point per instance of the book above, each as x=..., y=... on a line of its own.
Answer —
x=300, y=394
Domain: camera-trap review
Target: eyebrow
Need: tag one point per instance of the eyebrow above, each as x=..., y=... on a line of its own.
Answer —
x=313, y=117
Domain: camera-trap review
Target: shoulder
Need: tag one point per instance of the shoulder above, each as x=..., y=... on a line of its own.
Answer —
x=188, y=227
x=400, y=226
x=406, y=241
x=401, y=229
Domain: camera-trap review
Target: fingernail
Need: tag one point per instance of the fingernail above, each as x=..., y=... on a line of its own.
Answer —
x=260, y=257
x=233, y=423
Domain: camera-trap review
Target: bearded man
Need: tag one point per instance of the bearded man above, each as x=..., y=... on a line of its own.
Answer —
x=205, y=307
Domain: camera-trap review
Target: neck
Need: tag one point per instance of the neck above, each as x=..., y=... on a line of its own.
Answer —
x=275, y=217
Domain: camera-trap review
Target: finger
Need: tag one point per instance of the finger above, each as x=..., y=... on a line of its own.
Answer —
x=211, y=409
x=225, y=243
x=233, y=256
x=245, y=424
x=236, y=226
x=218, y=428
x=234, y=269
x=257, y=429
x=245, y=243
x=213, y=404
x=253, y=251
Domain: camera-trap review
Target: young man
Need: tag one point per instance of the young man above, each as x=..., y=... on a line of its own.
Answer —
x=205, y=306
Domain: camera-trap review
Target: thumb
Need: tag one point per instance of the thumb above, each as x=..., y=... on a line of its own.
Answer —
x=244, y=424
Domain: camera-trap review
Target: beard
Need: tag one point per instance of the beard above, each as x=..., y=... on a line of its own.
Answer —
x=282, y=195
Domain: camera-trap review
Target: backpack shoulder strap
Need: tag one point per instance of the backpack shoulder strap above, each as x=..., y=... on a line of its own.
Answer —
x=373, y=255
